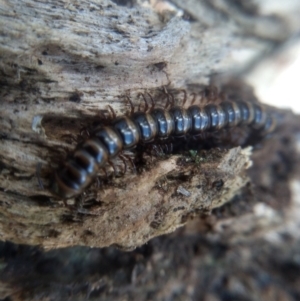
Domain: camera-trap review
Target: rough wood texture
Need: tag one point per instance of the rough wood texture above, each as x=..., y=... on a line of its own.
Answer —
x=246, y=250
x=130, y=213
x=62, y=63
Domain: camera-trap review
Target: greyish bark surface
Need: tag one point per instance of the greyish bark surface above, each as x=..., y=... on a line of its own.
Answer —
x=62, y=64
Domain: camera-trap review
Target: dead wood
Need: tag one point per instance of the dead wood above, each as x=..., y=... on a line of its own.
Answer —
x=61, y=64
x=248, y=249
x=64, y=63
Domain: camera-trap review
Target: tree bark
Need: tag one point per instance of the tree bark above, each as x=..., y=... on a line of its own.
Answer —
x=62, y=64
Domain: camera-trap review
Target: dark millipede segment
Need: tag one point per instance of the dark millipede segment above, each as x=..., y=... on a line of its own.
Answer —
x=110, y=138
x=128, y=130
x=222, y=118
x=63, y=185
x=165, y=123
x=86, y=161
x=96, y=150
x=147, y=126
x=269, y=126
x=237, y=113
x=217, y=117
x=247, y=112
x=182, y=120
x=199, y=118
x=75, y=173
x=260, y=117
x=233, y=113
x=67, y=180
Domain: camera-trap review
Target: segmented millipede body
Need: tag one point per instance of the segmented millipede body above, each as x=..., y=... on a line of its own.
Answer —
x=125, y=132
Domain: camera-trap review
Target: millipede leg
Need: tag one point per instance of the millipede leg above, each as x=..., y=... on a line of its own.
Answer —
x=146, y=103
x=167, y=148
x=85, y=131
x=101, y=115
x=169, y=102
x=171, y=147
x=131, y=105
x=168, y=97
x=131, y=162
x=152, y=101
x=113, y=167
x=105, y=171
x=184, y=97
x=203, y=99
x=173, y=100
x=106, y=115
x=123, y=158
x=196, y=137
x=169, y=82
x=98, y=183
x=82, y=130
x=194, y=98
x=71, y=137
x=113, y=113
x=159, y=149
x=154, y=150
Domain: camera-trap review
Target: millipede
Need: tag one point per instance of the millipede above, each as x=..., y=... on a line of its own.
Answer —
x=151, y=125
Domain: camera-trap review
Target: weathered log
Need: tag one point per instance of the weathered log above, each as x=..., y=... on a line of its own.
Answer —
x=64, y=63
x=130, y=213
x=247, y=249
x=61, y=64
